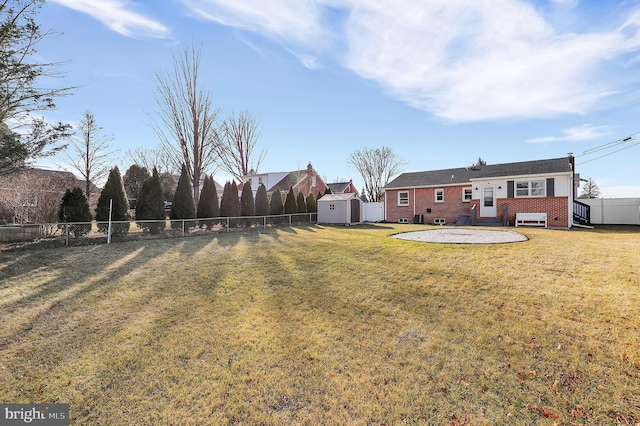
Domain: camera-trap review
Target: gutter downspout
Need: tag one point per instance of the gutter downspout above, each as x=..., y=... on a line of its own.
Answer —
x=572, y=182
x=414, y=202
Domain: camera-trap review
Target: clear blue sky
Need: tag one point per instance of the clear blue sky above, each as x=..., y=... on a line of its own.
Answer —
x=441, y=82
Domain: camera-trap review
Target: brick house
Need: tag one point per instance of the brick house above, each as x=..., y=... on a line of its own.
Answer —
x=306, y=181
x=486, y=192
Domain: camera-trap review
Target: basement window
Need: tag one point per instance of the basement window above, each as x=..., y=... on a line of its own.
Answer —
x=403, y=220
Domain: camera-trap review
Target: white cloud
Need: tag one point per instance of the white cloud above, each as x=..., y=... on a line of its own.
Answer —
x=309, y=61
x=574, y=134
x=292, y=20
x=463, y=60
x=480, y=60
x=118, y=16
x=565, y=2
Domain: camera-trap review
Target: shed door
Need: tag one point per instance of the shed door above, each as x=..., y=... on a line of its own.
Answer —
x=355, y=211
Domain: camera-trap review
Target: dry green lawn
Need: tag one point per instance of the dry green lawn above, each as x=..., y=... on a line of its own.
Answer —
x=324, y=325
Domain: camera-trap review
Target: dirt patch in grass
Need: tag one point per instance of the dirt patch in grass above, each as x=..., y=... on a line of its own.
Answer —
x=327, y=325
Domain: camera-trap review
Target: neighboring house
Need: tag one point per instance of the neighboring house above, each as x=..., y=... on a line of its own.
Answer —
x=306, y=181
x=343, y=188
x=34, y=195
x=343, y=209
x=486, y=192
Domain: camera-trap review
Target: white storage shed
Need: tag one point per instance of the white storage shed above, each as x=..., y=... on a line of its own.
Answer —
x=340, y=209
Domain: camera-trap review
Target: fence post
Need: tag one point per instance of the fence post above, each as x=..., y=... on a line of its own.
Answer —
x=183, y=227
x=66, y=231
x=264, y=222
x=227, y=223
x=290, y=220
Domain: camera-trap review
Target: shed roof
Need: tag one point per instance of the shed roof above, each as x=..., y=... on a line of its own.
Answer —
x=463, y=175
x=338, y=187
x=338, y=197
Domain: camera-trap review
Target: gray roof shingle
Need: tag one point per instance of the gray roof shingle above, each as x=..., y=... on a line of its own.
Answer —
x=466, y=174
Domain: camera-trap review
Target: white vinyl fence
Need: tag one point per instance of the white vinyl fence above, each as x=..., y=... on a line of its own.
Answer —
x=373, y=212
x=614, y=211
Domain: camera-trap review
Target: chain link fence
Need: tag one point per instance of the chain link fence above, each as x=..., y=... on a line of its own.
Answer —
x=84, y=233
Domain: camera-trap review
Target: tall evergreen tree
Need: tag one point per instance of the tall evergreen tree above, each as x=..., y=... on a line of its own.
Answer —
x=150, y=205
x=262, y=201
x=480, y=162
x=208, y=203
x=75, y=208
x=183, y=206
x=133, y=179
x=275, y=206
x=312, y=204
x=230, y=204
x=113, y=190
x=247, y=206
x=168, y=185
x=216, y=199
x=301, y=202
x=234, y=200
x=225, y=209
x=290, y=205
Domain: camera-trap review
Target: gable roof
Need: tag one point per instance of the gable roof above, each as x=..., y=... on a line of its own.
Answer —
x=68, y=178
x=463, y=175
x=338, y=197
x=289, y=180
x=338, y=187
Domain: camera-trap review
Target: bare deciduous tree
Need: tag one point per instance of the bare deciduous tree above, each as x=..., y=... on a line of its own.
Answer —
x=150, y=158
x=590, y=189
x=377, y=167
x=238, y=136
x=90, y=157
x=189, y=133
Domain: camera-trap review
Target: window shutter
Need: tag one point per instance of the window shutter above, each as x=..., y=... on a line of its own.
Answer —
x=551, y=187
x=509, y=189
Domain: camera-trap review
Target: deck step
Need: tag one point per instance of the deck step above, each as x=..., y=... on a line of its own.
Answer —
x=488, y=222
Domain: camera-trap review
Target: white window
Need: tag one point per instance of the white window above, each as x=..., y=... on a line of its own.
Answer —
x=467, y=194
x=250, y=182
x=439, y=198
x=260, y=180
x=313, y=181
x=403, y=220
x=530, y=188
x=332, y=206
x=403, y=198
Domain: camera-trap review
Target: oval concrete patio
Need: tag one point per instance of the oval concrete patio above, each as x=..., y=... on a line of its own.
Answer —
x=462, y=236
